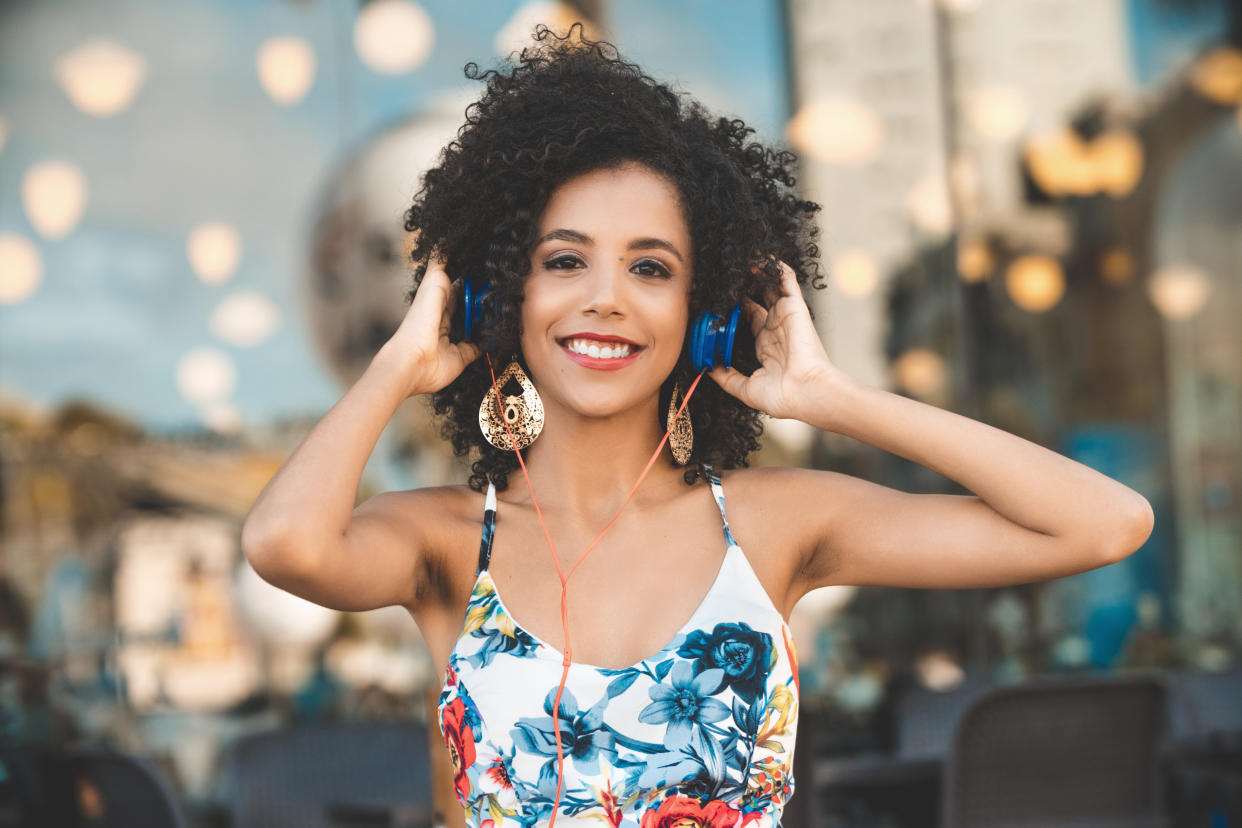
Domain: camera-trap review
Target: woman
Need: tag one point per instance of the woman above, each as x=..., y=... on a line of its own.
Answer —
x=605, y=213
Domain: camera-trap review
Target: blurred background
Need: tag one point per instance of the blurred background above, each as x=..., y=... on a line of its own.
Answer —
x=1032, y=216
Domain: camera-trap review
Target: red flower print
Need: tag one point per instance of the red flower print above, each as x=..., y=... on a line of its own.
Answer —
x=685, y=812
x=460, y=740
x=497, y=777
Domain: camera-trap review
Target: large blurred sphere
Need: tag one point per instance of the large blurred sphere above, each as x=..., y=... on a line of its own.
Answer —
x=359, y=269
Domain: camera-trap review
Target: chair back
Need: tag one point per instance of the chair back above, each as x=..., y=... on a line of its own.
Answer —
x=1202, y=703
x=330, y=775
x=926, y=719
x=1081, y=752
x=120, y=790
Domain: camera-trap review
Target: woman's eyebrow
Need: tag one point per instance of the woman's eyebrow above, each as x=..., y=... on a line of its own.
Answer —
x=563, y=234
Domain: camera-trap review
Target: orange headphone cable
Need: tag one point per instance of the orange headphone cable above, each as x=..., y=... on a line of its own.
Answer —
x=564, y=578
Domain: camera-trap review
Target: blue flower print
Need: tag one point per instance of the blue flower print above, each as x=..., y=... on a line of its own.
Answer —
x=582, y=736
x=685, y=703
x=515, y=642
x=743, y=653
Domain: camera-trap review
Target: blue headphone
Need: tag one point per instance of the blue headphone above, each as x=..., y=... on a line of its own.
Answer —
x=711, y=338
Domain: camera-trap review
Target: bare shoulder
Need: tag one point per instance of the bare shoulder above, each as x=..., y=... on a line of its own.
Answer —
x=778, y=514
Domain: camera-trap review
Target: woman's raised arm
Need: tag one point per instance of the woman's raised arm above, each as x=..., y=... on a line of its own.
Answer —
x=303, y=533
x=1034, y=514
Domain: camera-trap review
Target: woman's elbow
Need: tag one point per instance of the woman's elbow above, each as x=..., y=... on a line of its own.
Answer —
x=1135, y=529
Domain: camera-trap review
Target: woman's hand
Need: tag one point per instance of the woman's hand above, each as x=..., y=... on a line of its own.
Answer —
x=791, y=356
x=420, y=350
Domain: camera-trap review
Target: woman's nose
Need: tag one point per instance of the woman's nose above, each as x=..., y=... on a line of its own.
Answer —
x=604, y=290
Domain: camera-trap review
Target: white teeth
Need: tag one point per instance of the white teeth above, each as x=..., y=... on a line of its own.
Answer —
x=591, y=348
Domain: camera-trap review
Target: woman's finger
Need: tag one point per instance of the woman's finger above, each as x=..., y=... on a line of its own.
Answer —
x=789, y=281
x=756, y=313
x=454, y=299
x=730, y=379
x=469, y=352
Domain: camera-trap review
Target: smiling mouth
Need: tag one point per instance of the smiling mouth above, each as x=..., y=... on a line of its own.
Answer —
x=597, y=349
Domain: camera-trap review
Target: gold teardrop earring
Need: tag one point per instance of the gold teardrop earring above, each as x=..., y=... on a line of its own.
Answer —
x=523, y=413
x=680, y=432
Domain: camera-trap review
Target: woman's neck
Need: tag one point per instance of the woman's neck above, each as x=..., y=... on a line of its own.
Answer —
x=585, y=467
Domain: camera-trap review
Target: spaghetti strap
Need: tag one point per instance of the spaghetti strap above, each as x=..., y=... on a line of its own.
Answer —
x=489, y=529
x=718, y=491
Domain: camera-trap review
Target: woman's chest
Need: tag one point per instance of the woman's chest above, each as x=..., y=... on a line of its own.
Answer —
x=712, y=715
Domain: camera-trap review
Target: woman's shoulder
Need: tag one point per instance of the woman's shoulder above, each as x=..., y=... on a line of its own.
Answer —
x=774, y=483
x=798, y=498
x=445, y=518
x=769, y=510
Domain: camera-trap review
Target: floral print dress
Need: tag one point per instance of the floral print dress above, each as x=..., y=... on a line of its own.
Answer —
x=700, y=734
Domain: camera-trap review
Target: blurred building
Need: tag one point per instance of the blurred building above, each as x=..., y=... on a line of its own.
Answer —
x=1018, y=230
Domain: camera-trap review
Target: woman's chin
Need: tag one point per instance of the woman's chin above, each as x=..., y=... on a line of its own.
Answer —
x=603, y=406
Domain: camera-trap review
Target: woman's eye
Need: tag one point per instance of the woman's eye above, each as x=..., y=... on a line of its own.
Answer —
x=650, y=267
x=562, y=262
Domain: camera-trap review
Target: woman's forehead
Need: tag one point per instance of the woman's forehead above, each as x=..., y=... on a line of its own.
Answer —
x=631, y=199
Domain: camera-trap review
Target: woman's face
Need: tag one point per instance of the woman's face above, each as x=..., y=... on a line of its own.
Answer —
x=607, y=300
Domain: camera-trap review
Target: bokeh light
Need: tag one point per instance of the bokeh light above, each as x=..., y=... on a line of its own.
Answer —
x=854, y=272
x=837, y=131
x=928, y=204
x=938, y=670
x=1179, y=291
x=286, y=67
x=101, y=77
x=1035, y=283
x=1058, y=162
x=997, y=112
x=1062, y=163
x=214, y=250
x=393, y=37
x=975, y=261
x=1117, y=162
x=1217, y=76
x=21, y=268
x=244, y=319
x=1117, y=266
x=920, y=371
x=206, y=375
x=54, y=197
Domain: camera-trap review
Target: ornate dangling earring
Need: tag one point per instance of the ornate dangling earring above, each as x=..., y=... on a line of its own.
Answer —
x=680, y=432
x=523, y=413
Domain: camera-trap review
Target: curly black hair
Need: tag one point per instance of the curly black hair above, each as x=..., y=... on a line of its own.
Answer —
x=566, y=106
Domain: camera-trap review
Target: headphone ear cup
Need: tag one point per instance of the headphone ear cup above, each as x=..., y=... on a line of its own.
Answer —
x=473, y=300
x=712, y=338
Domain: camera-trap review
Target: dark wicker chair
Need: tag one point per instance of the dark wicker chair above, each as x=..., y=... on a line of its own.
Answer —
x=330, y=776
x=926, y=719
x=1203, y=765
x=119, y=790
x=1203, y=703
x=1081, y=753
x=901, y=788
